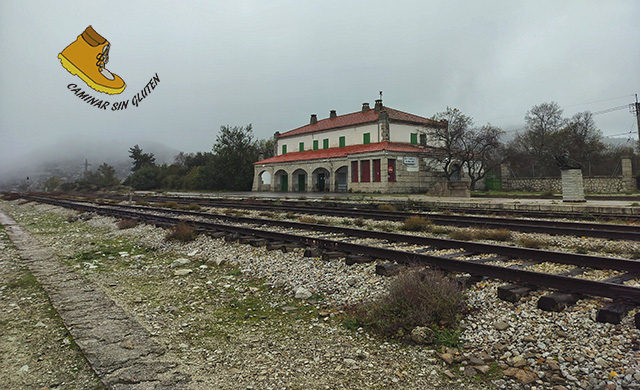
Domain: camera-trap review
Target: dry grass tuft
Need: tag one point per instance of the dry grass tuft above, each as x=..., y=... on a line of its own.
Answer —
x=127, y=223
x=181, y=232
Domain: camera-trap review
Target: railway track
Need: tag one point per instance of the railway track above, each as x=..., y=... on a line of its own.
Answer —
x=555, y=227
x=475, y=259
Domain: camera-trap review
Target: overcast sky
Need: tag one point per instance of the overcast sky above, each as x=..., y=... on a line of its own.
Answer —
x=273, y=63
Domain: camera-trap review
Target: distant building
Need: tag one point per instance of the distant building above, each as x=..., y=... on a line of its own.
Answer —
x=377, y=149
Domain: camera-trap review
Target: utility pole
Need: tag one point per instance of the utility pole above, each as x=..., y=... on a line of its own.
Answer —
x=636, y=111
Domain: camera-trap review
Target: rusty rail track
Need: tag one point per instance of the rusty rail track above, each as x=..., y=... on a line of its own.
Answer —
x=554, y=227
x=619, y=292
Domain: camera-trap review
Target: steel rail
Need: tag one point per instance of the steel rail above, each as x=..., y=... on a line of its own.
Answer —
x=618, y=292
x=608, y=231
x=576, y=259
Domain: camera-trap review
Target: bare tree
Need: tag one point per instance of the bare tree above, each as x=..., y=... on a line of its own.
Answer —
x=450, y=140
x=475, y=149
x=483, y=151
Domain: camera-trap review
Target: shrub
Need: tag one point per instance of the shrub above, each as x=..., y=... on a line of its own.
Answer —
x=268, y=214
x=358, y=222
x=181, y=232
x=494, y=234
x=416, y=224
x=307, y=219
x=386, y=207
x=142, y=203
x=416, y=298
x=440, y=230
x=532, y=243
x=169, y=205
x=462, y=235
x=127, y=223
x=193, y=207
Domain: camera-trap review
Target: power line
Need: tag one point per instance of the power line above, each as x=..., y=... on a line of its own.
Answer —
x=575, y=105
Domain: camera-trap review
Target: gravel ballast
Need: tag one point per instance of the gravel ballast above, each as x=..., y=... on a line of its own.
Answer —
x=226, y=314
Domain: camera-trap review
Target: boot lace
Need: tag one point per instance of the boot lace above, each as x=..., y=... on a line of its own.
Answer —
x=103, y=58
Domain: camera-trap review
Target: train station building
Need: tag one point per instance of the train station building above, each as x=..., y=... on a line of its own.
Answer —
x=377, y=149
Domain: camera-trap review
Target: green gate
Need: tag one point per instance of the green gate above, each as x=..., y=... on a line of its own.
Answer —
x=492, y=182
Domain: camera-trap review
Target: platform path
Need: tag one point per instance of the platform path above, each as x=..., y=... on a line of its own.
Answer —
x=117, y=347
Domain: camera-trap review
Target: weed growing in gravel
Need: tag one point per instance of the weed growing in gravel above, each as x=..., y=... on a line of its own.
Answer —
x=439, y=230
x=358, y=222
x=387, y=207
x=169, y=205
x=268, y=214
x=493, y=234
x=416, y=224
x=181, y=232
x=416, y=298
x=462, y=235
x=142, y=203
x=194, y=207
x=127, y=223
x=307, y=219
x=532, y=243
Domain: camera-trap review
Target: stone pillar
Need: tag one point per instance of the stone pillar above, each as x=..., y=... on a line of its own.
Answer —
x=505, y=172
x=626, y=167
x=572, y=187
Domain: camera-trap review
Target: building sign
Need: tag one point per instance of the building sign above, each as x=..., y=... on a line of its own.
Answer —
x=411, y=163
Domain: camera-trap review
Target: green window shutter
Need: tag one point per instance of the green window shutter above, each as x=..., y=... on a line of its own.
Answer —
x=284, y=149
x=315, y=144
x=342, y=141
x=301, y=146
x=414, y=138
x=325, y=143
x=366, y=138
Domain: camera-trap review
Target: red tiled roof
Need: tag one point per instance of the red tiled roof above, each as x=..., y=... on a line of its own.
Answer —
x=360, y=117
x=343, y=152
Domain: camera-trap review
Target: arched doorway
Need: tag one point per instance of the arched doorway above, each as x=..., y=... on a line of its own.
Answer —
x=320, y=179
x=299, y=180
x=341, y=179
x=281, y=181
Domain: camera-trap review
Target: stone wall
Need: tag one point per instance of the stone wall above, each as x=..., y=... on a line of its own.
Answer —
x=593, y=184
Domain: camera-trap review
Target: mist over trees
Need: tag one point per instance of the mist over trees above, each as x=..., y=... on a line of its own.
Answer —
x=463, y=147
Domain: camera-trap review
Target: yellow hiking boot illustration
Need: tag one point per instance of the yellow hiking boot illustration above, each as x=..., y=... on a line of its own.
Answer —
x=87, y=57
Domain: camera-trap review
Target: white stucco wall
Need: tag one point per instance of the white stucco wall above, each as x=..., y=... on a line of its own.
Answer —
x=353, y=136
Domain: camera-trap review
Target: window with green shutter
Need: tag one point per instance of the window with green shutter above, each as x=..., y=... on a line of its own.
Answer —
x=366, y=138
x=325, y=143
x=315, y=144
x=414, y=138
x=301, y=147
x=342, y=141
x=284, y=149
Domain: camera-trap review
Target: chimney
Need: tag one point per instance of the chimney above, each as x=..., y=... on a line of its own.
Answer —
x=365, y=107
x=314, y=119
x=378, y=105
x=332, y=114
